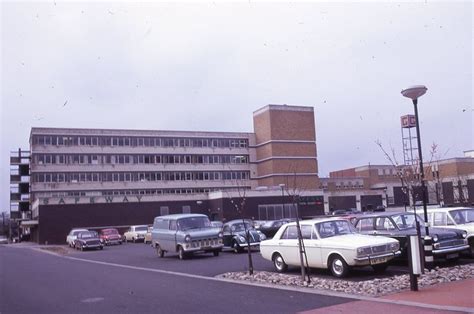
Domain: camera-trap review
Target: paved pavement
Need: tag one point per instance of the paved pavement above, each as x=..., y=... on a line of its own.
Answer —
x=453, y=297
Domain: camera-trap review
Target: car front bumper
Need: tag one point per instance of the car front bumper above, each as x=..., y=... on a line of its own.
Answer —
x=376, y=259
x=445, y=251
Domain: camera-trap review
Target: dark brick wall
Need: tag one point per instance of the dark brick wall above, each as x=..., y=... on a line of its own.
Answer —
x=448, y=193
x=342, y=202
x=370, y=202
x=55, y=221
x=470, y=191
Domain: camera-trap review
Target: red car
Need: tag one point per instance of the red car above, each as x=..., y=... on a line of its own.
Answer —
x=110, y=236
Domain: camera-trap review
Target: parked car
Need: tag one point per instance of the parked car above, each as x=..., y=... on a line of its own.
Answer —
x=110, y=236
x=271, y=227
x=235, y=235
x=329, y=243
x=147, y=238
x=135, y=233
x=185, y=234
x=88, y=240
x=3, y=239
x=217, y=224
x=448, y=243
x=454, y=218
x=73, y=235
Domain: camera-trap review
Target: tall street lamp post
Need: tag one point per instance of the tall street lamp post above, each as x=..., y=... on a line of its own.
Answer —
x=414, y=92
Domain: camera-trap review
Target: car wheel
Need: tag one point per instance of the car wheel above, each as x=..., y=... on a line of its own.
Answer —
x=133, y=240
x=380, y=268
x=101, y=247
x=338, y=266
x=181, y=253
x=236, y=247
x=216, y=253
x=279, y=263
x=159, y=251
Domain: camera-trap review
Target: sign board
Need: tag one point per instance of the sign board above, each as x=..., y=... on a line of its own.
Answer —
x=408, y=121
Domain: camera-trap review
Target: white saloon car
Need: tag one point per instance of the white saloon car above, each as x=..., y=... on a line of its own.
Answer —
x=73, y=236
x=455, y=218
x=135, y=233
x=329, y=243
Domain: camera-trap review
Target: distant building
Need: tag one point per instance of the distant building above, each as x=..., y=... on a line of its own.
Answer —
x=449, y=182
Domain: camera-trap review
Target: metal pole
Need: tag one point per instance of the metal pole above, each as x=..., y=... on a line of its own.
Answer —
x=422, y=170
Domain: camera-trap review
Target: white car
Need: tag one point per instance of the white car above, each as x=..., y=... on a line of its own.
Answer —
x=135, y=233
x=455, y=218
x=73, y=236
x=329, y=243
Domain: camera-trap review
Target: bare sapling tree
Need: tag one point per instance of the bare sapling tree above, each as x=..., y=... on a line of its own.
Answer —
x=239, y=206
x=294, y=189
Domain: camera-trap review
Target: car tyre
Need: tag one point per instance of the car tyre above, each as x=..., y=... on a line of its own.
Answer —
x=236, y=247
x=216, y=253
x=338, y=266
x=380, y=268
x=279, y=263
x=181, y=253
x=101, y=247
x=159, y=251
x=133, y=240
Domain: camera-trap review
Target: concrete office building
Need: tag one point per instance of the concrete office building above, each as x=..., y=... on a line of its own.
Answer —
x=95, y=177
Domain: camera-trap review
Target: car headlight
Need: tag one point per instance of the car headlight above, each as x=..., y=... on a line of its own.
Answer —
x=435, y=238
x=241, y=239
x=394, y=246
x=220, y=235
x=262, y=236
x=187, y=238
x=361, y=251
x=464, y=234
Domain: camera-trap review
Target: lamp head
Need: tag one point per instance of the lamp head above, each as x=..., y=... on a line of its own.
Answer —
x=413, y=92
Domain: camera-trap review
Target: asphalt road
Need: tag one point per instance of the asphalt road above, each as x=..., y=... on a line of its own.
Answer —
x=35, y=282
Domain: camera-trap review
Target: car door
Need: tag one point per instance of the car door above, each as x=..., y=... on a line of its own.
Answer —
x=227, y=235
x=288, y=245
x=312, y=246
x=168, y=236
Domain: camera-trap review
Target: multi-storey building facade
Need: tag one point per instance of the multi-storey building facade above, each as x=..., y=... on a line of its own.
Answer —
x=96, y=177
x=93, y=162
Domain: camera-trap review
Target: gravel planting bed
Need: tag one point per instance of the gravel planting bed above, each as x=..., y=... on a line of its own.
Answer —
x=373, y=288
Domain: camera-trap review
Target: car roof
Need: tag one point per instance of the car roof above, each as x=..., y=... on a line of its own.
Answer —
x=380, y=214
x=231, y=222
x=445, y=209
x=179, y=216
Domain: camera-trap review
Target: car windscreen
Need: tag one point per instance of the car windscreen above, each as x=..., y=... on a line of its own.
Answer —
x=329, y=229
x=87, y=235
x=463, y=216
x=240, y=226
x=193, y=223
x=110, y=231
x=406, y=221
x=142, y=228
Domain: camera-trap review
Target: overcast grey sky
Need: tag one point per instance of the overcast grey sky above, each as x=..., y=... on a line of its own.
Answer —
x=208, y=66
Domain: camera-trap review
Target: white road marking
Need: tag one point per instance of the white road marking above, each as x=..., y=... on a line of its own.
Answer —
x=92, y=300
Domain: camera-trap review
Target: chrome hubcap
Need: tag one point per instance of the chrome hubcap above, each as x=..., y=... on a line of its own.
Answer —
x=337, y=266
x=279, y=262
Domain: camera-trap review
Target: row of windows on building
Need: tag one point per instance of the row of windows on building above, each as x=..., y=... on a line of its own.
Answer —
x=132, y=141
x=76, y=177
x=131, y=192
x=68, y=159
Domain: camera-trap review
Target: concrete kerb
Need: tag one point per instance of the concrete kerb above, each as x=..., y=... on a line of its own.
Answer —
x=271, y=286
